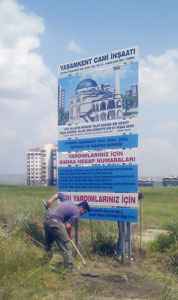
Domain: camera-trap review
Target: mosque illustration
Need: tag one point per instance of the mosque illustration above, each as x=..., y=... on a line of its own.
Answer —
x=92, y=103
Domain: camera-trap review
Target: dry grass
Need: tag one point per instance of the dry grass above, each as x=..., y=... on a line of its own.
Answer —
x=25, y=274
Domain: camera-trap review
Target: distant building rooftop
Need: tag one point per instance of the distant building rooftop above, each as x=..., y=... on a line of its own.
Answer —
x=145, y=182
x=170, y=181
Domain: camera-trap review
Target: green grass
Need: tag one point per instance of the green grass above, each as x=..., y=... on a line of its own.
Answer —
x=160, y=206
x=23, y=271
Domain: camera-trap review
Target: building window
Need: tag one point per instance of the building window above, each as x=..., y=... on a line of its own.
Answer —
x=103, y=116
x=119, y=113
x=111, y=115
x=111, y=104
x=119, y=104
x=96, y=118
x=103, y=106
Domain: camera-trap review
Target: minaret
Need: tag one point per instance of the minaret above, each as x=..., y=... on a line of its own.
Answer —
x=118, y=98
x=117, y=80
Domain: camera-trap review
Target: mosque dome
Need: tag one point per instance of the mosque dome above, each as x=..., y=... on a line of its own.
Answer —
x=86, y=83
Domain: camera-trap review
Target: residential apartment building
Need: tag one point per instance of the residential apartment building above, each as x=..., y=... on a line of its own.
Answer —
x=42, y=166
x=133, y=91
x=34, y=167
x=54, y=166
x=61, y=97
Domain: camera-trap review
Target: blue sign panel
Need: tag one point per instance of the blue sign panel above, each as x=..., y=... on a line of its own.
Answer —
x=112, y=214
x=114, y=178
x=108, y=142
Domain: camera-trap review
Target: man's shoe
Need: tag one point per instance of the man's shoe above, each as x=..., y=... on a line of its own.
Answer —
x=72, y=270
x=47, y=256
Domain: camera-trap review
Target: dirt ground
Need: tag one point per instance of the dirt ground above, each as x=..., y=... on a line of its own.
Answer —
x=151, y=233
x=109, y=279
x=113, y=281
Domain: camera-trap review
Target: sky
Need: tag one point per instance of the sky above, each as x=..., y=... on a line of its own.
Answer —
x=38, y=35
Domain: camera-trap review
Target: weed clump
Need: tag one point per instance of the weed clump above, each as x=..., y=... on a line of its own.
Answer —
x=162, y=243
x=174, y=262
x=173, y=228
x=168, y=244
x=31, y=228
x=104, y=245
x=166, y=241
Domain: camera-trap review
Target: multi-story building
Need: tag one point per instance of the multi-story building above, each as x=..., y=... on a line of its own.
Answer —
x=61, y=97
x=34, y=167
x=128, y=93
x=134, y=90
x=54, y=166
x=42, y=165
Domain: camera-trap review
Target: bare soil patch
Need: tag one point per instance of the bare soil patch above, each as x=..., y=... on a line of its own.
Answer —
x=116, y=282
x=152, y=233
x=109, y=279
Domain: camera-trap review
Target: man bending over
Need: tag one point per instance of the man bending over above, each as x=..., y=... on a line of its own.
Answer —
x=58, y=223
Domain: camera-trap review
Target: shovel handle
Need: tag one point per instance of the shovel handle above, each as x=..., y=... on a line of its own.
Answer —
x=81, y=257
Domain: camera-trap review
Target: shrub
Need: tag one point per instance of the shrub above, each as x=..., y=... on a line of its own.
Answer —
x=32, y=228
x=166, y=241
x=162, y=243
x=29, y=226
x=104, y=245
x=173, y=228
x=174, y=262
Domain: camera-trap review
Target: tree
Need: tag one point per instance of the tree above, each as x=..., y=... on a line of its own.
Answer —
x=129, y=102
x=63, y=116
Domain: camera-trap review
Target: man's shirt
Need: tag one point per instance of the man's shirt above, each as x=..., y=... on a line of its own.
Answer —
x=66, y=211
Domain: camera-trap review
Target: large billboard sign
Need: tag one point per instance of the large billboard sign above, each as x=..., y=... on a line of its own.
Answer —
x=98, y=124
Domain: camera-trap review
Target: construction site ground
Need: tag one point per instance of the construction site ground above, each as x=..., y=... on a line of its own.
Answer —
x=110, y=279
